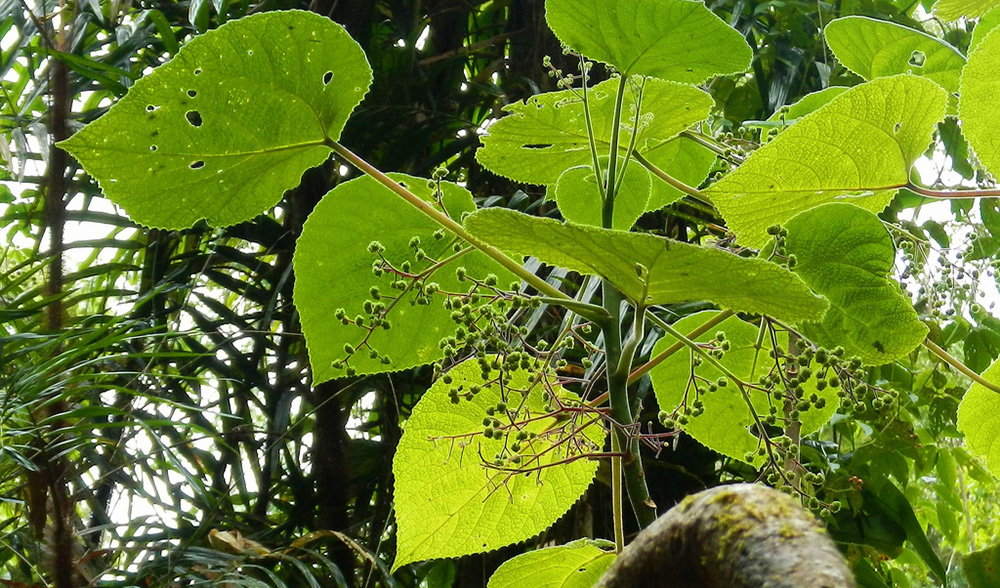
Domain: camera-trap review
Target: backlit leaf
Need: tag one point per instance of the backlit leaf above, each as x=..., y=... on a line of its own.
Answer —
x=230, y=123
x=676, y=40
x=956, y=9
x=846, y=254
x=860, y=147
x=650, y=269
x=977, y=102
x=333, y=270
x=725, y=424
x=876, y=48
x=450, y=503
x=579, y=564
x=579, y=197
x=979, y=420
x=547, y=134
x=985, y=26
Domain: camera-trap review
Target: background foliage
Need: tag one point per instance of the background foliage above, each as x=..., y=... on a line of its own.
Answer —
x=154, y=386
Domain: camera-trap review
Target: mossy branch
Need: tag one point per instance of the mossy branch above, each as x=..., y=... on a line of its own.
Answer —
x=739, y=536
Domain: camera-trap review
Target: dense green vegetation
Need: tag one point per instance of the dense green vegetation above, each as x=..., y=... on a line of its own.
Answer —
x=219, y=316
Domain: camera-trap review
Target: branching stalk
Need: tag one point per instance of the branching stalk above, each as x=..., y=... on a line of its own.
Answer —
x=555, y=295
x=661, y=356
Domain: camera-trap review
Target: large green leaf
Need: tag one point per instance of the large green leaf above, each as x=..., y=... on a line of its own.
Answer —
x=541, y=138
x=859, y=146
x=956, y=9
x=579, y=195
x=230, y=123
x=650, y=269
x=985, y=26
x=875, y=48
x=979, y=419
x=333, y=270
x=846, y=254
x=678, y=40
x=724, y=426
x=449, y=503
x=977, y=102
x=579, y=564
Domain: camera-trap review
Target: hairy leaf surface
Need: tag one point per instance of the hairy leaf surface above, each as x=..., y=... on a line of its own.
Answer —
x=579, y=564
x=724, y=426
x=977, y=102
x=675, y=40
x=860, y=147
x=547, y=134
x=979, y=419
x=876, y=48
x=333, y=270
x=230, y=123
x=449, y=503
x=845, y=253
x=650, y=269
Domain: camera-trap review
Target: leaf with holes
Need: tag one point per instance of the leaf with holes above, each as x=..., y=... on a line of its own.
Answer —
x=578, y=564
x=675, y=40
x=231, y=122
x=649, y=269
x=875, y=48
x=726, y=423
x=458, y=492
x=579, y=195
x=333, y=272
x=977, y=102
x=860, y=147
x=846, y=254
x=546, y=135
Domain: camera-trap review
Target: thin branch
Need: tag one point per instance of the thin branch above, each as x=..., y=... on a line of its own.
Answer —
x=692, y=192
x=950, y=360
x=543, y=287
x=655, y=361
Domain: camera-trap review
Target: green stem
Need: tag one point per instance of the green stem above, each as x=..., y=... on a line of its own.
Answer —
x=609, y=193
x=696, y=348
x=580, y=308
x=693, y=192
x=655, y=361
x=617, y=501
x=621, y=412
x=947, y=358
x=590, y=126
x=705, y=141
x=543, y=287
x=989, y=193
